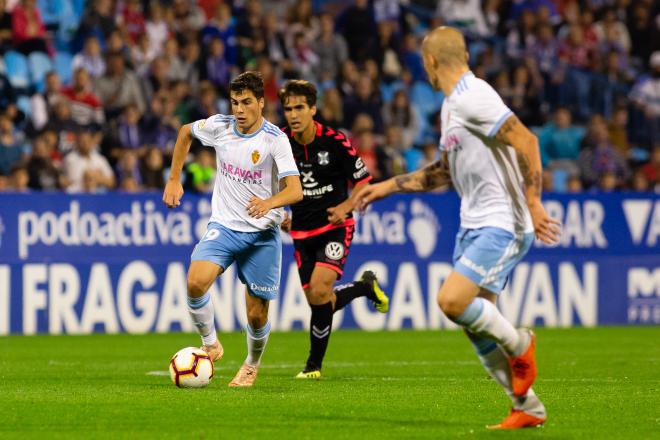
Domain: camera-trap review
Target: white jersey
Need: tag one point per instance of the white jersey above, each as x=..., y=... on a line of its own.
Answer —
x=484, y=170
x=248, y=165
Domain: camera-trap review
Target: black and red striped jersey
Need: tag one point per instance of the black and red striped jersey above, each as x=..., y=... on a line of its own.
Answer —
x=326, y=166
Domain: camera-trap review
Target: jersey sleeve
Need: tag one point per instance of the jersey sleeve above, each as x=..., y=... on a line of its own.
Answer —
x=283, y=157
x=354, y=168
x=484, y=111
x=206, y=130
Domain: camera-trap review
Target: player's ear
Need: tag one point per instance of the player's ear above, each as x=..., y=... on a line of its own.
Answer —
x=262, y=103
x=313, y=110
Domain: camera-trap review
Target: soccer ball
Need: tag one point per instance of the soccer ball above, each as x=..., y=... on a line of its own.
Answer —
x=191, y=367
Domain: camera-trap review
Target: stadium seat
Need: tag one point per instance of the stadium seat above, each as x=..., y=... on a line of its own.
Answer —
x=39, y=64
x=50, y=11
x=63, y=66
x=559, y=180
x=17, y=69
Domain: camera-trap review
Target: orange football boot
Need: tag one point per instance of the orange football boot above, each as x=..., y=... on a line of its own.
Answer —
x=214, y=351
x=519, y=419
x=523, y=368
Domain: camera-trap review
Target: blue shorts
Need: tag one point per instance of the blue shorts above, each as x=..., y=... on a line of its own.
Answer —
x=258, y=256
x=487, y=255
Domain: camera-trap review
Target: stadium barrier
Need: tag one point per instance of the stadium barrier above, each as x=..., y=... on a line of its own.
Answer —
x=117, y=263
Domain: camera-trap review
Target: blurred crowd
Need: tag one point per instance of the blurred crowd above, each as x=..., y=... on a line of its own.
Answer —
x=92, y=93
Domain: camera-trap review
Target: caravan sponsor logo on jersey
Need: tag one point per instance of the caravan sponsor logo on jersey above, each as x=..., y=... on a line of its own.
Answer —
x=238, y=174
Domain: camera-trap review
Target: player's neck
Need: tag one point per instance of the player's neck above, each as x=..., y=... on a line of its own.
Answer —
x=307, y=136
x=451, y=77
x=252, y=128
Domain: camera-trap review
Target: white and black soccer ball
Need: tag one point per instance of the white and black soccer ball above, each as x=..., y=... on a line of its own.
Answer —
x=191, y=367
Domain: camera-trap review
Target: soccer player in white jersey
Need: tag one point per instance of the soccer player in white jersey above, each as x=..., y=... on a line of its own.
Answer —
x=494, y=163
x=253, y=159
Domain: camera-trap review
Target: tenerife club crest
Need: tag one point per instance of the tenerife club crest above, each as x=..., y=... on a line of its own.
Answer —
x=324, y=157
x=255, y=157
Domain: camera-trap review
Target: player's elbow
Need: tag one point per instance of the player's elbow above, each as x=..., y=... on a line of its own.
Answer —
x=185, y=131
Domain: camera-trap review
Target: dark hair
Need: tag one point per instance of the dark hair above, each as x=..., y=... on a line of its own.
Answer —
x=298, y=87
x=250, y=80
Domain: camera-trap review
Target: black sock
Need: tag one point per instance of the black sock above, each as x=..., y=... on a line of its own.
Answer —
x=319, y=335
x=348, y=292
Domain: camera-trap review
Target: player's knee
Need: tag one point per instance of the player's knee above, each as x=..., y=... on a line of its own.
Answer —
x=450, y=305
x=197, y=286
x=319, y=293
x=256, y=317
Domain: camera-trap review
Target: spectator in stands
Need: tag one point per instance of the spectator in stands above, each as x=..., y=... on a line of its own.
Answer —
x=576, y=56
x=142, y=54
x=644, y=31
x=90, y=58
x=128, y=168
x=401, y=114
x=618, y=131
x=128, y=133
x=522, y=38
x=97, y=20
x=86, y=107
x=526, y=90
x=600, y=158
x=151, y=170
x=62, y=123
x=330, y=48
x=160, y=122
x=190, y=62
x=276, y=45
x=651, y=170
x=358, y=27
x=118, y=87
x=560, y=139
x=372, y=155
x=200, y=174
x=156, y=27
x=175, y=68
x=7, y=93
x=639, y=182
x=218, y=70
x=300, y=20
x=467, y=15
x=304, y=58
x=19, y=179
x=5, y=28
x=43, y=174
x=28, y=31
x=387, y=53
x=411, y=58
x=43, y=104
x=330, y=110
x=85, y=168
x=364, y=100
x=544, y=50
x=348, y=78
x=646, y=97
x=610, y=23
x=132, y=19
x=393, y=147
x=188, y=17
x=247, y=31
x=11, y=145
x=574, y=184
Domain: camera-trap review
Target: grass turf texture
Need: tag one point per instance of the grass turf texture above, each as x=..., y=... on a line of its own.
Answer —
x=596, y=384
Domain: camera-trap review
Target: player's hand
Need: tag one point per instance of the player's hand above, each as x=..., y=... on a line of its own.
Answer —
x=372, y=193
x=546, y=229
x=286, y=223
x=337, y=214
x=173, y=193
x=257, y=207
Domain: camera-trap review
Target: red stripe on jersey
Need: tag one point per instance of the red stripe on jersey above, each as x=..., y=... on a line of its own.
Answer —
x=319, y=129
x=365, y=180
x=301, y=235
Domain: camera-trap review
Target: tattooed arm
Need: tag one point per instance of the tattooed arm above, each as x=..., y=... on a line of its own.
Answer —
x=430, y=177
x=514, y=133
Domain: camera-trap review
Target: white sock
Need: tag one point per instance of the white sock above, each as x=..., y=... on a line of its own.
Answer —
x=201, y=312
x=482, y=318
x=497, y=365
x=256, y=343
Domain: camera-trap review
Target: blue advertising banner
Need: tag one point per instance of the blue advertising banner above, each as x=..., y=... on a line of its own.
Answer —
x=117, y=263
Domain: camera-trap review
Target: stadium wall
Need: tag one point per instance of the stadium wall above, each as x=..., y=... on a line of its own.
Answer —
x=117, y=263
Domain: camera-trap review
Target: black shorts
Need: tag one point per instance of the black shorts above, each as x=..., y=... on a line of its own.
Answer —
x=328, y=249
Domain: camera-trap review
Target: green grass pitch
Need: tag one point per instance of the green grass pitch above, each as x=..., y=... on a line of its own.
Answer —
x=596, y=384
